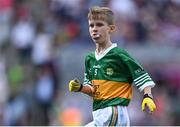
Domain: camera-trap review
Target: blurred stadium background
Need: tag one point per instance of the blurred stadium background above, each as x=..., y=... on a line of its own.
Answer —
x=43, y=44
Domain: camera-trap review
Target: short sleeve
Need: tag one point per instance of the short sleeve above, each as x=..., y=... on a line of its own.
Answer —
x=140, y=77
x=87, y=80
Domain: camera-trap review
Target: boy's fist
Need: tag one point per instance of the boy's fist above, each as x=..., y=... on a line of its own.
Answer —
x=75, y=86
x=148, y=101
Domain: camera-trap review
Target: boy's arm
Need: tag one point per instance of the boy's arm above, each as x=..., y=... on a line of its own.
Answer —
x=141, y=79
x=76, y=86
x=87, y=89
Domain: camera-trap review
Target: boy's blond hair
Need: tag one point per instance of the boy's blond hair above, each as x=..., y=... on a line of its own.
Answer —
x=101, y=13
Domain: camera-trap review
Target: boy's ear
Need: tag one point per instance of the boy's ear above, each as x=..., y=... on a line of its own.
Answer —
x=112, y=28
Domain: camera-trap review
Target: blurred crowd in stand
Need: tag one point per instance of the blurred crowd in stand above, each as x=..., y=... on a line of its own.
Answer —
x=43, y=44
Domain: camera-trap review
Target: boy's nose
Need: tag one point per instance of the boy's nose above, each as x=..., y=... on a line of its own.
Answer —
x=94, y=29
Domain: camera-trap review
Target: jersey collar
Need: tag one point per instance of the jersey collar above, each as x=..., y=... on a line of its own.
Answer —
x=98, y=57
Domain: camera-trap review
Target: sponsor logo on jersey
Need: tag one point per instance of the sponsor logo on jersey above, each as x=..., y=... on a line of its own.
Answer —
x=96, y=66
x=109, y=71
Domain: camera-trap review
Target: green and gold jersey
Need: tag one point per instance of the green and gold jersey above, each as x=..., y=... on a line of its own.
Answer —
x=112, y=75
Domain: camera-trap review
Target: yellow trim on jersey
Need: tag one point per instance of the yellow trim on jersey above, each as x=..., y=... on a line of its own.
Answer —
x=105, y=89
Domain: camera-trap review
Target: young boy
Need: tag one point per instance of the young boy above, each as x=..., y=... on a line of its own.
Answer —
x=109, y=74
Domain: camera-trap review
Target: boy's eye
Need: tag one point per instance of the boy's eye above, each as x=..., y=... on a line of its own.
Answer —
x=91, y=25
x=100, y=24
x=96, y=24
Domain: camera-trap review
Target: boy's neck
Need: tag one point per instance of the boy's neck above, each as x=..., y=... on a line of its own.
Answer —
x=102, y=47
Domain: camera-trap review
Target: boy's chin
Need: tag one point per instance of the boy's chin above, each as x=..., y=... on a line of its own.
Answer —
x=97, y=41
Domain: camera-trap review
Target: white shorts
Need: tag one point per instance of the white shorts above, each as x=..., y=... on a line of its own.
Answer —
x=110, y=116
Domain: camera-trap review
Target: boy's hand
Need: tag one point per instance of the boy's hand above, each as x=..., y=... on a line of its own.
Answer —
x=148, y=101
x=75, y=86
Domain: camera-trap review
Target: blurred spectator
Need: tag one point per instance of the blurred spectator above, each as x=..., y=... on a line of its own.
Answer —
x=22, y=36
x=45, y=91
x=125, y=9
x=6, y=14
x=16, y=111
x=4, y=89
x=41, y=47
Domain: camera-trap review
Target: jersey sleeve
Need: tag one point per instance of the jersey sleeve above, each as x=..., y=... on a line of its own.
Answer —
x=87, y=80
x=140, y=77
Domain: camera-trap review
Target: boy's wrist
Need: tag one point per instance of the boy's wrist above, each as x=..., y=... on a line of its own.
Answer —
x=148, y=95
x=81, y=86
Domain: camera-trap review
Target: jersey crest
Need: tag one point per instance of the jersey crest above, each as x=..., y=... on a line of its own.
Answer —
x=109, y=71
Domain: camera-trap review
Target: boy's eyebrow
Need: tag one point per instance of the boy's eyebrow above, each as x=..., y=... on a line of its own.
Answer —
x=100, y=23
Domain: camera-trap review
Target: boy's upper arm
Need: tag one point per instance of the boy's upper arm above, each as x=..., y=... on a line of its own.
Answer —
x=140, y=77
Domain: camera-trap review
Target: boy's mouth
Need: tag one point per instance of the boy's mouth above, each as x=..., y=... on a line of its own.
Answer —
x=96, y=36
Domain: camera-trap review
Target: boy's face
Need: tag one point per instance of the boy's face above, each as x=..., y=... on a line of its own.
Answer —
x=99, y=30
